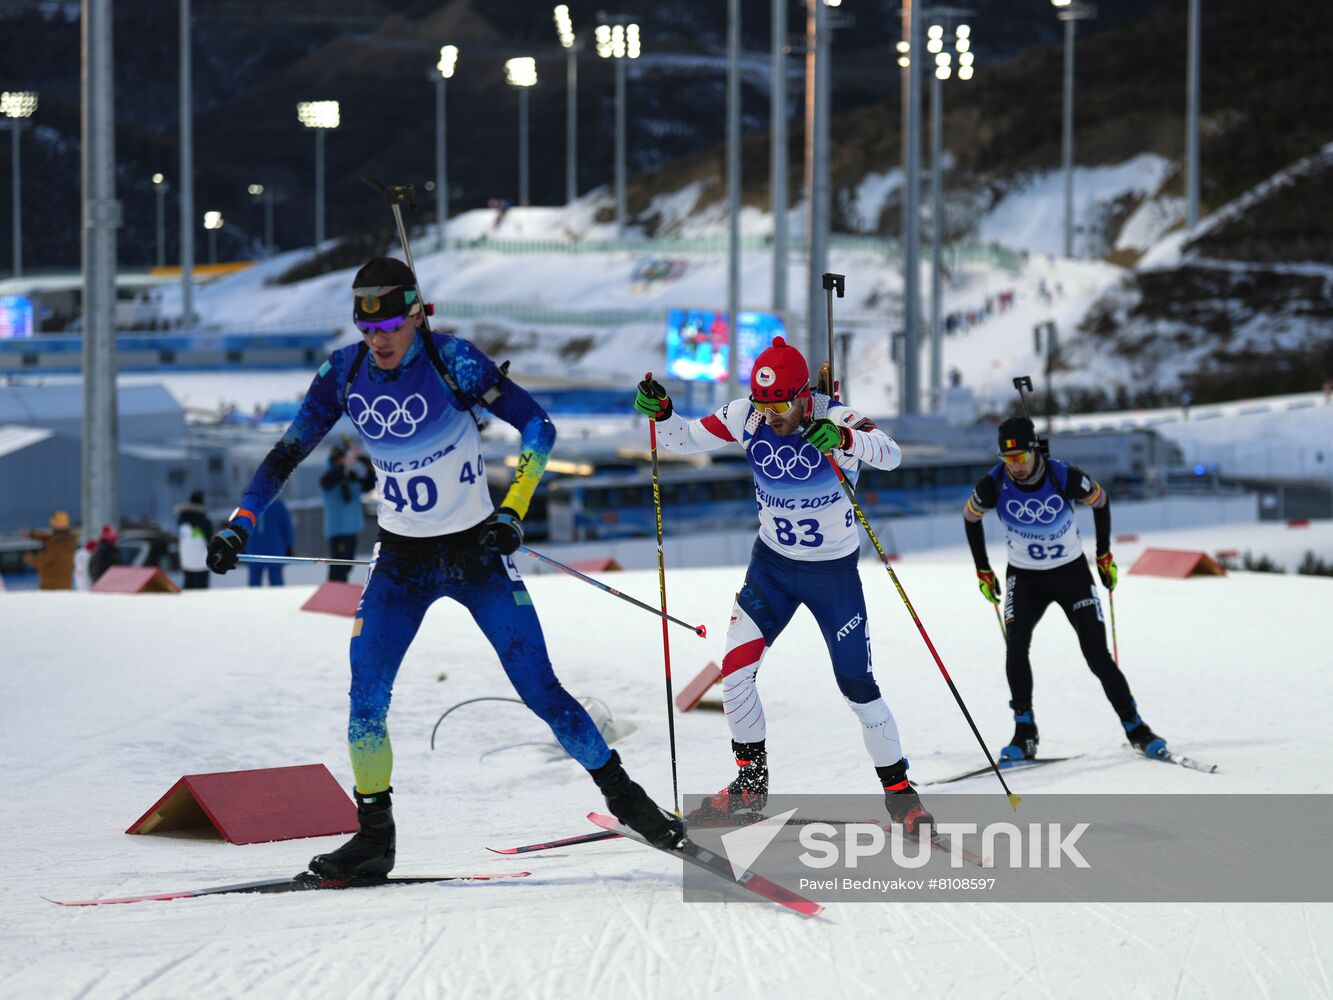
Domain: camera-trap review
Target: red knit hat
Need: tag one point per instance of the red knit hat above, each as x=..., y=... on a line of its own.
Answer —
x=109, y=534
x=780, y=374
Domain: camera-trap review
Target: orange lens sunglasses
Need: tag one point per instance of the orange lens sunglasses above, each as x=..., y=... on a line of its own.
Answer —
x=1016, y=457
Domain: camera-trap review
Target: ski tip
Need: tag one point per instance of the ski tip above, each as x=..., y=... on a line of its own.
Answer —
x=1014, y=800
x=503, y=850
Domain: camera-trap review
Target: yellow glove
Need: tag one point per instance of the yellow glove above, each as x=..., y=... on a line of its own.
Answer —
x=1106, y=570
x=989, y=586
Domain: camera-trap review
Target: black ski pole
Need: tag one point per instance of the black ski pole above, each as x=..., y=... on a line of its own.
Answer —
x=884, y=558
x=1025, y=382
x=832, y=283
x=698, y=630
x=398, y=195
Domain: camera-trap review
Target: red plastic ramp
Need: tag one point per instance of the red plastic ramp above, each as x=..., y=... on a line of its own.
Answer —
x=134, y=580
x=335, y=598
x=254, y=807
x=693, y=692
x=1176, y=564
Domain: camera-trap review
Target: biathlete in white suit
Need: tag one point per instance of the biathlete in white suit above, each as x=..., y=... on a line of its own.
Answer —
x=806, y=554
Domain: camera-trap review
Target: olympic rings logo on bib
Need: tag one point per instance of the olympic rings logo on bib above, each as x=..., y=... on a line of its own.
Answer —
x=387, y=415
x=785, y=460
x=1036, y=510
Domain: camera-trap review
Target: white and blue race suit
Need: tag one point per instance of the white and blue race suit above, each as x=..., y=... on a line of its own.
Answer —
x=424, y=443
x=1039, y=524
x=806, y=554
x=1046, y=566
x=426, y=450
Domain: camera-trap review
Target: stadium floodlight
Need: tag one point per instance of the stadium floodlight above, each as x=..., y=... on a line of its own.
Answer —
x=320, y=116
x=18, y=103
x=904, y=54
x=448, y=62
x=264, y=195
x=617, y=37
x=564, y=26
x=17, y=106
x=212, y=222
x=521, y=72
x=1071, y=13
x=160, y=190
x=564, y=29
x=937, y=35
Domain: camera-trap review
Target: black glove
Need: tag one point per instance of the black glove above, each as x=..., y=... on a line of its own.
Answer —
x=503, y=532
x=227, y=544
x=652, y=400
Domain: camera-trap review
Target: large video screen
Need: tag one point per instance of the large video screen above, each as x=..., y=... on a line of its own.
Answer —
x=699, y=343
x=15, y=316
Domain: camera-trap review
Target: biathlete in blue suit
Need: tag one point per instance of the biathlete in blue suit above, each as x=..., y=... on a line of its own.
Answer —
x=414, y=396
x=1034, y=498
x=806, y=554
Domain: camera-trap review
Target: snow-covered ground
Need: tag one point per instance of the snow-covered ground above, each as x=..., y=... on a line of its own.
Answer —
x=1031, y=215
x=107, y=700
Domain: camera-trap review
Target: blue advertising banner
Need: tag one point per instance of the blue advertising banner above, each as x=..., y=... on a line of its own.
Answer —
x=15, y=317
x=698, y=342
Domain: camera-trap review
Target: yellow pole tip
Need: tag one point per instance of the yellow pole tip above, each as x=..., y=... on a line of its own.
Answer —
x=1013, y=801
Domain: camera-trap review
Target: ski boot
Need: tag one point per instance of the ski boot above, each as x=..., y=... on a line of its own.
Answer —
x=900, y=798
x=370, y=852
x=1023, y=744
x=631, y=805
x=747, y=794
x=1142, y=738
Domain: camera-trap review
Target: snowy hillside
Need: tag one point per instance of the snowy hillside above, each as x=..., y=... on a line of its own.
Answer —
x=590, y=316
x=548, y=288
x=103, y=717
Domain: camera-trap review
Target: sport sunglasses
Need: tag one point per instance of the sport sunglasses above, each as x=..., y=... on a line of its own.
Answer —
x=780, y=406
x=369, y=326
x=1015, y=457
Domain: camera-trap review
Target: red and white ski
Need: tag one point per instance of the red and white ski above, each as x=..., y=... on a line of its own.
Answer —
x=582, y=838
x=700, y=857
x=305, y=882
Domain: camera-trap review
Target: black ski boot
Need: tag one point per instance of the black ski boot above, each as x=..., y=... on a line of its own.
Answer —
x=1142, y=738
x=631, y=805
x=1023, y=744
x=369, y=854
x=900, y=798
x=748, y=793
